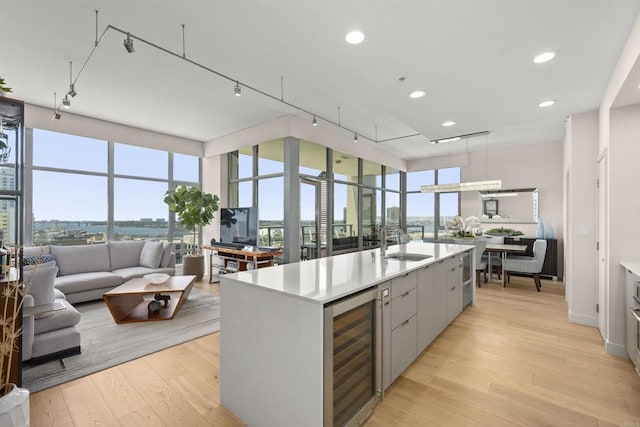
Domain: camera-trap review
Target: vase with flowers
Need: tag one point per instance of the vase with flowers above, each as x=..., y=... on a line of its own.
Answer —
x=14, y=400
x=464, y=228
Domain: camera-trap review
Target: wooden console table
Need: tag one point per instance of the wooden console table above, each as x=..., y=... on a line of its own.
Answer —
x=238, y=259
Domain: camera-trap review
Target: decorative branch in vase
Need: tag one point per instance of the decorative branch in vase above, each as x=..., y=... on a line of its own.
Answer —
x=14, y=401
x=461, y=227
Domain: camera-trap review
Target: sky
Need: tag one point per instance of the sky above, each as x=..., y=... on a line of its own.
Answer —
x=82, y=196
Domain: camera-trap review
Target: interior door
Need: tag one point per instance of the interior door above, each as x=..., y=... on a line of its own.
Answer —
x=311, y=239
x=602, y=253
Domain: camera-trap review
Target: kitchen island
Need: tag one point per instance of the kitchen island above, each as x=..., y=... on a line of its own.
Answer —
x=276, y=349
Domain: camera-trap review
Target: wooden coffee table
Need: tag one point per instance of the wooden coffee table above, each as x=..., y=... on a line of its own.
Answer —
x=127, y=302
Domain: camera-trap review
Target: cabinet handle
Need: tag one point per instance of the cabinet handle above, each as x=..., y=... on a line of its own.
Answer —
x=404, y=295
x=386, y=303
x=453, y=289
x=405, y=322
x=424, y=268
x=405, y=275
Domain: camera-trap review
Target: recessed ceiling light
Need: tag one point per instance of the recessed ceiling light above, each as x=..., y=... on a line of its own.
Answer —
x=544, y=57
x=548, y=103
x=355, y=37
x=417, y=94
x=448, y=123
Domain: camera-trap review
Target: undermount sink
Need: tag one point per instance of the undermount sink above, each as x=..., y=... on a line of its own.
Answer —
x=406, y=256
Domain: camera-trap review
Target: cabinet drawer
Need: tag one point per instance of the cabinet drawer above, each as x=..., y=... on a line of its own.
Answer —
x=403, y=307
x=401, y=285
x=403, y=347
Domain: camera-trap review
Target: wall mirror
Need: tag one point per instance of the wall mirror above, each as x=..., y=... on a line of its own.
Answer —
x=518, y=205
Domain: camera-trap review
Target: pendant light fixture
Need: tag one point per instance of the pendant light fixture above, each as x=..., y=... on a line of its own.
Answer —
x=128, y=44
x=237, y=90
x=315, y=121
x=72, y=91
x=5, y=149
x=466, y=186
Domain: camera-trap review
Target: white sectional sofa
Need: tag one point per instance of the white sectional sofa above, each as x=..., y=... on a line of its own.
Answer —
x=59, y=276
x=86, y=272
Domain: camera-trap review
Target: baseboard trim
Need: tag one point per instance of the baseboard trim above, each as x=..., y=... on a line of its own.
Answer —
x=583, y=319
x=618, y=350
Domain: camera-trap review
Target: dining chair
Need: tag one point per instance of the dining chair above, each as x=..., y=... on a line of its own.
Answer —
x=526, y=264
x=496, y=258
x=481, y=266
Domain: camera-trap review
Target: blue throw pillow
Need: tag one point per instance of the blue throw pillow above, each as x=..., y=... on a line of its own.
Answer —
x=41, y=259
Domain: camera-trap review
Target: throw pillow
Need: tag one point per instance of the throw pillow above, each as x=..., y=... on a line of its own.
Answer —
x=39, y=266
x=41, y=281
x=38, y=259
x=151, y=254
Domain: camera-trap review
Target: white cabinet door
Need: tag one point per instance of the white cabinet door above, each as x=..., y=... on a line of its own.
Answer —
x=426, y=307
x=440, y=296
x=403, y=347
x=633, y=325
x=454, y=288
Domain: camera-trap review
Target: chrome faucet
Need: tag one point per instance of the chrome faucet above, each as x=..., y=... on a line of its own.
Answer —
x=383, y=240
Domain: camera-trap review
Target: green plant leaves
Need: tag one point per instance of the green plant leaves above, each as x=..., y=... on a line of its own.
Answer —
x=192, y=206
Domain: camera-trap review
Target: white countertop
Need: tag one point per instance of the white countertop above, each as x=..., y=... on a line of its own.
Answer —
x=327, y=279
x=631, y=263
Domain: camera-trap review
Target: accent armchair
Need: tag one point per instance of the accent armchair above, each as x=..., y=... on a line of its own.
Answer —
x=527, y=265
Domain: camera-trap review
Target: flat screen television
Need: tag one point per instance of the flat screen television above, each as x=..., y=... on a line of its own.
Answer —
x=239, y=226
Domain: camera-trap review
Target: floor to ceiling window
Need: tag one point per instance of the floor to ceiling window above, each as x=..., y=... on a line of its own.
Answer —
x=428, y=213
x=71, y=198
x=341, y=203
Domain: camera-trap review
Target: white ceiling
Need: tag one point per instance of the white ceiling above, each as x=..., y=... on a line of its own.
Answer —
x=473, y=57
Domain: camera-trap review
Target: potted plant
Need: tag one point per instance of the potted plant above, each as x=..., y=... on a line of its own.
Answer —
x=14, y=400
x=193, y=208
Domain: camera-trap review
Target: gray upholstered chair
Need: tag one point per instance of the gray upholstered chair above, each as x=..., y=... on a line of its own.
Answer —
x=48, y=319
x=481, y=265
x=527, y=265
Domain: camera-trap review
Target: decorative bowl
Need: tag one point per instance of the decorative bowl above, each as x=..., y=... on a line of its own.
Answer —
x=156, y=278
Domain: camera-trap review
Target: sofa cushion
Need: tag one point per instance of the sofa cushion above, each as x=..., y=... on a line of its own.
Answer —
x=40, y=282
x=81, y=258
x=36, y=251
x=167, y=249
x=125, y=253
x=66, y=317
x=134, y=272
x=151, y=254
x=86, y=281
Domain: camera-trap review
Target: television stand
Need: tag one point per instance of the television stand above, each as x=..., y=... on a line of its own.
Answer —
x=233, y=259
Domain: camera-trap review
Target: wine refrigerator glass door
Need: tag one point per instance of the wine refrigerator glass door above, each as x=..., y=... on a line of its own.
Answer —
x=350, y=360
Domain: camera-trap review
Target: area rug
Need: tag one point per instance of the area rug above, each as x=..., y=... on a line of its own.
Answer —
x=105, y=344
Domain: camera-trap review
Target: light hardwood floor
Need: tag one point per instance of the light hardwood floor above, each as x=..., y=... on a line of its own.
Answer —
x=514, y=359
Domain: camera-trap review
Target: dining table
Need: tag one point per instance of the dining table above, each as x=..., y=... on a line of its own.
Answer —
x=504, y=250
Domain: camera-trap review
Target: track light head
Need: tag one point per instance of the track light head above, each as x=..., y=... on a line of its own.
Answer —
x=315, y=121
x=66, y=102
x=128, y=44
x=237, y=90
x=56, y=115
x=72, y=91
x=355, y=137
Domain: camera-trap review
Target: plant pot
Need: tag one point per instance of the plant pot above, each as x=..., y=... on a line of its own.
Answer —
x=14, y=407
x=193, y=265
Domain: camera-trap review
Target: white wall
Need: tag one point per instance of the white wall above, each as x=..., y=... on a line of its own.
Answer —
x=40, y=118
x=615, y=131
x=624, y=211
x=581, y=198
x=296, y=127
x=530, y=166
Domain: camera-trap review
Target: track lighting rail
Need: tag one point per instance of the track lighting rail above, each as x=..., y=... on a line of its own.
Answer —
x=238, y=84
